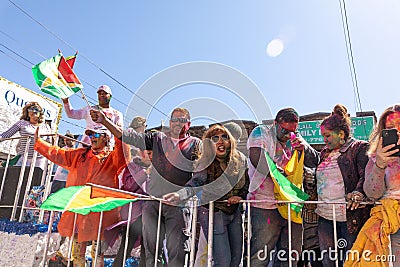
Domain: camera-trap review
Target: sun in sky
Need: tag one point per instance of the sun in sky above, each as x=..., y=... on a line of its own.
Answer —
x=275, y=48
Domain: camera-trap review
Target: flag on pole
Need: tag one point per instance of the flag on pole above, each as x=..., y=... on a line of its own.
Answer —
x=71, y=60
x=288, y=191
x=55, y=76
x=86, y=199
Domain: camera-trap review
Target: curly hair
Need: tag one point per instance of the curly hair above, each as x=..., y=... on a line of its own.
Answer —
x=25, y=112
x=376, y=133
x=207, y=158
x=338, y=120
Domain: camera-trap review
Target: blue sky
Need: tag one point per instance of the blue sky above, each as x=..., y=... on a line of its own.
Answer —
x=135, y=41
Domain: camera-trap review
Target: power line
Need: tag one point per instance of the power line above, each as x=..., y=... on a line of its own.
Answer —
x=94, y=100
x=349, y=51
x=350, y=57
x=15, y=53
x=21, y=44
x=90, y=61
x=13, y=58
x=76, y=125
x=28, y=67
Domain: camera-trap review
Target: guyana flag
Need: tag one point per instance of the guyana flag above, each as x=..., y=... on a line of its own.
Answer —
x=287, y=191
x=55, y=76
x=86, y=199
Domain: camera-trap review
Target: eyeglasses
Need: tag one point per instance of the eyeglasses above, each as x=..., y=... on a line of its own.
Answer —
x=181, y=120
x=284, y=131
x=216, y=138
x=34, y=110
x=96, y=135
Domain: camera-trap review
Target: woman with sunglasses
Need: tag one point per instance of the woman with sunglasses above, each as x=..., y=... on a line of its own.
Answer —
x=221, y=177
x=95, y=164
x=30, y=120
x=340, y=177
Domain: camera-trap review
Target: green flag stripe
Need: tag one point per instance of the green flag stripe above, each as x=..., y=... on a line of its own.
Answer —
x=291, y=192
x=59, y=201
x=47, y=77
x=105, y=206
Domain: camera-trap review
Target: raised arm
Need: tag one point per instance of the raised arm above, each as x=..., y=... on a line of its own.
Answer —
x=12, y=130
x=99, y=117
x=374, y=185
x=78, y=114
x=53, y=153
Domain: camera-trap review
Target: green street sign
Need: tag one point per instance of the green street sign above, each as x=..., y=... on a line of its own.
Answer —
x=361, y=128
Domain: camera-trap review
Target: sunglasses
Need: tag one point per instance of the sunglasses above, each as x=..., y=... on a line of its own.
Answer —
x=284, y=131
x=34, y=110
x=216, y=138
x=95, y=135
x=396, y=108
x=181, y=120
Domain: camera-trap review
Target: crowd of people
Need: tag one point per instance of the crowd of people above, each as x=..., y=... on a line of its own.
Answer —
x=172, y=166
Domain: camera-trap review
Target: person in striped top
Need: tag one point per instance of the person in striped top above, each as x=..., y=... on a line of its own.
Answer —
x=31, y=118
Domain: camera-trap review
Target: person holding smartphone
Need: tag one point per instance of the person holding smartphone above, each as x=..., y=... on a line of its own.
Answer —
x=382, y=174
x=382, y=171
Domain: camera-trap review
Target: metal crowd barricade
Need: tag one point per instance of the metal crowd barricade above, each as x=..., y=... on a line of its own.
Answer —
x=159, y=238
x=21, y=175
x=191, y=260
x=45, y=180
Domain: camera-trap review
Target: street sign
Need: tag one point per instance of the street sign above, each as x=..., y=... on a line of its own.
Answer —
x=361, y=128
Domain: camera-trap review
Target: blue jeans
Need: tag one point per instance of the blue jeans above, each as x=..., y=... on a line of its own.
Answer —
x=172, y=225
x=227, y=238
x=327, y=242
x=269, y=239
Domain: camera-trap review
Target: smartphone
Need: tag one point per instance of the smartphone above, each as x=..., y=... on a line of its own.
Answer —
x=390, y=137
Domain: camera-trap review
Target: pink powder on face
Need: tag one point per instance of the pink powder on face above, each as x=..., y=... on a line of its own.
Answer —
x=393, y=121
x=292, y=135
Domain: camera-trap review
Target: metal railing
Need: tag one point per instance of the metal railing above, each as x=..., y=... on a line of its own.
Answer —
x=191, y=255
x=190, y=261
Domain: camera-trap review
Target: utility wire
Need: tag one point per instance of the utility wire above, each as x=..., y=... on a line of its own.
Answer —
x=350, y=57
x=15, y=53
x=14, y=59
x=90, y=61
x=21, y=44
x=28, y=67
x=119, y=101
x=94, y=100
x=76, y=125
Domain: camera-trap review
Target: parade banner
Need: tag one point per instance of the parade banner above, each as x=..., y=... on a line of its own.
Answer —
x=13, y=97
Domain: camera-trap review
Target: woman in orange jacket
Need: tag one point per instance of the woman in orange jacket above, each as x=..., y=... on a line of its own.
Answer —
x=94, y=164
